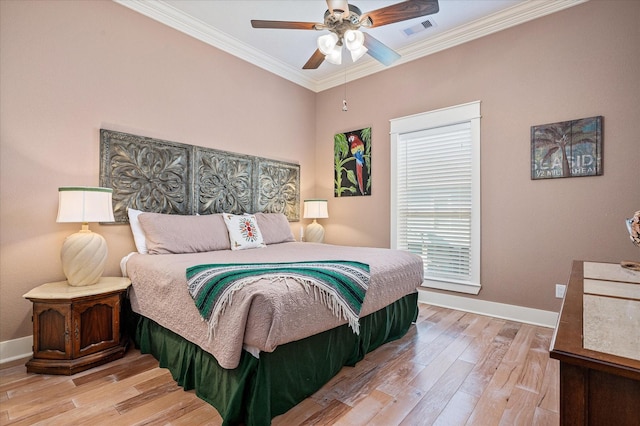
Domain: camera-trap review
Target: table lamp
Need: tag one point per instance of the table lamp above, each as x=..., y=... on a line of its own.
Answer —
x=84, y=254
x=315, y=209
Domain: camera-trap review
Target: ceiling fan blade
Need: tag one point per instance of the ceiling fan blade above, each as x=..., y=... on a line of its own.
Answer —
x=287, y=25
x=379, y=51
x=314, y=61
x=400, y=12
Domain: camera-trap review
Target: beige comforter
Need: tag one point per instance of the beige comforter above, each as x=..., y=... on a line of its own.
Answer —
x=265, y=314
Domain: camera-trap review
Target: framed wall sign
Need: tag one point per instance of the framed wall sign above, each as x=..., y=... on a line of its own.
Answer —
x=567, y=149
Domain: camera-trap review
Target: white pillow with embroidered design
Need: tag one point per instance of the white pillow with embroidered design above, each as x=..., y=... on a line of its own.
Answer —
x=243, y=231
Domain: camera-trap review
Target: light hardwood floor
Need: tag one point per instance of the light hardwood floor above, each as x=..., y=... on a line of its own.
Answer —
x=452, y=368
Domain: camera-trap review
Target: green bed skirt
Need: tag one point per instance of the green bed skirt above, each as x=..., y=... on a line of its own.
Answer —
x=260, y=389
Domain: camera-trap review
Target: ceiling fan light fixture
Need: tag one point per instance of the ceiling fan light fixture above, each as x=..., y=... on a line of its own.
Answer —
x=327, y=43
x=343, y=19
x=335, y=56
x=358, y=53
x=353, y=39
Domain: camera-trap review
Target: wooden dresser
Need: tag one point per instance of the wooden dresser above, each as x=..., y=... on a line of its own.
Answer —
x=596, y=388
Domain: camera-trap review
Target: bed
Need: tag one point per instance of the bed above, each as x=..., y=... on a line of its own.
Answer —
x=277, y=341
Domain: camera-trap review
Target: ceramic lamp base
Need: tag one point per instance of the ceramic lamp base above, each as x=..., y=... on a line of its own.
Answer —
x=83, y=255
x=314, y=233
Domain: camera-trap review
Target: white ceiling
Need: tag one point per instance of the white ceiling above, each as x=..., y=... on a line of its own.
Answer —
x=226, y=25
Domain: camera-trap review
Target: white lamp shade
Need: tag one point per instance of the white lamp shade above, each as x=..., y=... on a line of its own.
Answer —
x=335, y=56
x=84, y=204
x=358, y=53
x=315, y=209
x=327, y=43
x=353, y=39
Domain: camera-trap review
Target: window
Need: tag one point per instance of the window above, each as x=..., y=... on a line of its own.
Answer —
x=435, y=194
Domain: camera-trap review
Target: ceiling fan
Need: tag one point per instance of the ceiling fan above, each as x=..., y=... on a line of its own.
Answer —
x=344, y=20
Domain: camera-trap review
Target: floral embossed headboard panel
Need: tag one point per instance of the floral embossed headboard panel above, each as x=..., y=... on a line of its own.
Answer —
x=159, y=176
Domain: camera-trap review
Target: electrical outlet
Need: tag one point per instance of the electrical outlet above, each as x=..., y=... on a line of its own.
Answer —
x=560, y=288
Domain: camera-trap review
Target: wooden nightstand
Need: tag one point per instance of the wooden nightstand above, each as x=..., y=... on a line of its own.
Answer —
x=76, y=328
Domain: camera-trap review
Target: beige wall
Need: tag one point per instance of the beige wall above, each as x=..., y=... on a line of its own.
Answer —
x=71, y=68
x=581, y=62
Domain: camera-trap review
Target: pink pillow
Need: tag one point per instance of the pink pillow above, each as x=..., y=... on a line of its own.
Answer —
x=169, y=233
x=275, y=228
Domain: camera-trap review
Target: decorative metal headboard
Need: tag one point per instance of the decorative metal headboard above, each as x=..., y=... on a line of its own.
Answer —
x=154, y=175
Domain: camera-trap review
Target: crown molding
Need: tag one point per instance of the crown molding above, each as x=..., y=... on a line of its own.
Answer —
x=507, y=18
x=174, y=18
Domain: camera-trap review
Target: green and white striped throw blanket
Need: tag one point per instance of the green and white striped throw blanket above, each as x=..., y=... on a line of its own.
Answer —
x=341, y=285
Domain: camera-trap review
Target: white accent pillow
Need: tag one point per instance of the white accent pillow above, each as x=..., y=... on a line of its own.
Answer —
x=243, y=231
x=136, y=229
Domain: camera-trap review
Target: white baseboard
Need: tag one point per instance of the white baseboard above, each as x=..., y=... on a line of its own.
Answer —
x=11, y=350
x=493, y=309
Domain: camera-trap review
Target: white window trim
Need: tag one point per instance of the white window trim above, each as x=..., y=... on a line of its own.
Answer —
x=469, y=112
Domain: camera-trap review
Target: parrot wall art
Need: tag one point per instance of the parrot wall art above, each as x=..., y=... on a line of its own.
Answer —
x=352, y=161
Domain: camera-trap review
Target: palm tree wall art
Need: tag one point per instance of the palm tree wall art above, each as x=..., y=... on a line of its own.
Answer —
x=567, y=149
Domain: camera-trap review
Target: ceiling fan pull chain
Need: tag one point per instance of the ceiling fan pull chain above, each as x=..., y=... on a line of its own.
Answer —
x=344, y=101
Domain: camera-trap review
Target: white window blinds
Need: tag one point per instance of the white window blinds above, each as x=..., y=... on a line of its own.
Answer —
x=435, y=202
x=434, y=199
